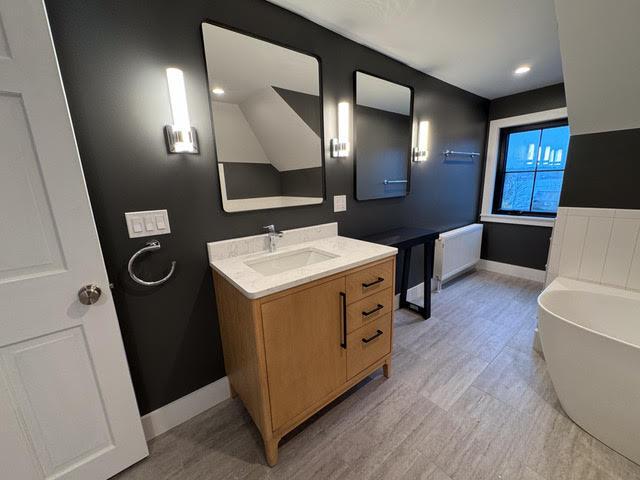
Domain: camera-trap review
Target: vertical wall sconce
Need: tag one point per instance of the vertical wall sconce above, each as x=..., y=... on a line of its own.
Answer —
x=340, y=145
x=421, y=151
x=181, y=136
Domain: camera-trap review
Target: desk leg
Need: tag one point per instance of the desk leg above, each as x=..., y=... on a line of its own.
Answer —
x=404, y=284
x=428, y=273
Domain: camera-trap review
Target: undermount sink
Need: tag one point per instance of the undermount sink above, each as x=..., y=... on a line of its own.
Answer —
x=283, y=262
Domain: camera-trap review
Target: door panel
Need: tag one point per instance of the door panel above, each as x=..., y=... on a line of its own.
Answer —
x=56, y=394
x=4, y=45
x=14, y=445
x=31, y=245
x=67, y=407
x=302, y=336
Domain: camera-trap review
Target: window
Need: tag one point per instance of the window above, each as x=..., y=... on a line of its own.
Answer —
x=530, y=168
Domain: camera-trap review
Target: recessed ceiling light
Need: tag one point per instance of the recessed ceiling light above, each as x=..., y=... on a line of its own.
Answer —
x=522, y=70
x=217, y=91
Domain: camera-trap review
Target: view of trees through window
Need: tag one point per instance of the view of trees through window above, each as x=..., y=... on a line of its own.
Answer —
x=531, y=169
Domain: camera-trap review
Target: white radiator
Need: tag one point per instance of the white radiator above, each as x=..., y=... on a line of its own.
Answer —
x=456, y=251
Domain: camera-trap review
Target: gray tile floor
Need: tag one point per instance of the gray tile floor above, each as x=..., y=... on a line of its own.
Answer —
x=468, y=399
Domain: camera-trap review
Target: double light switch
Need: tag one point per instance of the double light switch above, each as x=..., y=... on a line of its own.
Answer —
x=147, y=223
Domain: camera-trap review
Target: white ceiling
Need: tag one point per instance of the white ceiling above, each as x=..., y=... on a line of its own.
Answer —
x=377, y=93
x=473, y=44
x=242, y=65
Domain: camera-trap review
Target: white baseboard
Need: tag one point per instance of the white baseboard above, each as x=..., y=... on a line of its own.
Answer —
x=512, y=270
x=413, y=293
x=182, y=409
x=179, y=411
x=416, y=292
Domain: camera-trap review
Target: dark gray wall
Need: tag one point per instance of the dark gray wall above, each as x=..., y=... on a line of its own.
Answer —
x=306, y=106
x=303, y=182
x=538, y=100
x=603, y=170
x=521, y=245
x=382, y=146
x=252, y=180
x=113, y=57
x=255, y=180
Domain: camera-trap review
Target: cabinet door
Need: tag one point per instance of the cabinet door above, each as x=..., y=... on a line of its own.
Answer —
x=302, y=339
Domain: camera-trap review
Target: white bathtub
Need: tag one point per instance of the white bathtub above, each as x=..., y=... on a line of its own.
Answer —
x=591, y=342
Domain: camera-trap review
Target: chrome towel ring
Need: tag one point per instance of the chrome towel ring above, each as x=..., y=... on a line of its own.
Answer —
x=152, y=246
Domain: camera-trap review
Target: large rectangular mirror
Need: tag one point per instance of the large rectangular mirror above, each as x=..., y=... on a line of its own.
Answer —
x=383, y=128
x=267, y=120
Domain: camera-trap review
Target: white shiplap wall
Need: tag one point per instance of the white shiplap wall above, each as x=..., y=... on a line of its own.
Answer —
x=597, y=245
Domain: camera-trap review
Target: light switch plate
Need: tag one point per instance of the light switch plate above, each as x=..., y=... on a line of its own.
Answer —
x=339, y=203
x=148, y=223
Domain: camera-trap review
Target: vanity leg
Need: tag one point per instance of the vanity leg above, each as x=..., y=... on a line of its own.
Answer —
x=271, y=451
x=386, y=368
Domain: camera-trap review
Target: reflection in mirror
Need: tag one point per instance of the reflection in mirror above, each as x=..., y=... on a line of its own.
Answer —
x=383, y=127
x=267, y=121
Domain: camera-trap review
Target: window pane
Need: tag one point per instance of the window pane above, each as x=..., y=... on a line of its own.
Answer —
x=522, y=150
x=516, y=193
x=553, y=148
x=546, y=192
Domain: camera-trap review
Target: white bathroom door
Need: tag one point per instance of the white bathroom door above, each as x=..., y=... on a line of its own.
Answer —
x=67, y=407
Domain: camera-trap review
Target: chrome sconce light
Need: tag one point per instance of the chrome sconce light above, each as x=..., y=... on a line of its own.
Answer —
x=181, y=136
x=340, y=146
x=421, y=151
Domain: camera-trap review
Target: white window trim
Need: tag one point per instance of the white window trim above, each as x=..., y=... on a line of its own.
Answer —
x=493, y=150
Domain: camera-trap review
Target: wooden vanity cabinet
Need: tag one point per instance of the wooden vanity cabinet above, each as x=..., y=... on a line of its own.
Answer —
x=289, y=354
x=303, y=349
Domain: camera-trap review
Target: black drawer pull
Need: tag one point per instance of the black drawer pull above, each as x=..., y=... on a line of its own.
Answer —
x=343, y=341
x=372, y=311
x=371, y=284
x=367, y=340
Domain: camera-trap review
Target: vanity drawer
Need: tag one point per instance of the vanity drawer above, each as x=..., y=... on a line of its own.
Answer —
x=368, y=344
x=369, y=309
x=370, y=280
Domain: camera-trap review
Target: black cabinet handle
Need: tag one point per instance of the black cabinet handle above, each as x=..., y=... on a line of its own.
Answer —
x=371, y=284
x=367, y=340
x=372, y=311
x=343, y=297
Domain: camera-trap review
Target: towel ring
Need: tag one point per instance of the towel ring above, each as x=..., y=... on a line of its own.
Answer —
x=152, y=246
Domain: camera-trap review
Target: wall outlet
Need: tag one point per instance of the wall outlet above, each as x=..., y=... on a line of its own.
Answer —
x=339, y=203
x=147, y=223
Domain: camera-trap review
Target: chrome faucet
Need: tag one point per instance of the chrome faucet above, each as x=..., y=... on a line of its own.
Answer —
x=271, y=231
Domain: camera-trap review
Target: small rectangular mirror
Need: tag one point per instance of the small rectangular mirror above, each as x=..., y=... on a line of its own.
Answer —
x=267, y=120
x=383, y=129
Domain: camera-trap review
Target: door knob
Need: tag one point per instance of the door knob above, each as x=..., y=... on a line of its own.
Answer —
x=89, y=294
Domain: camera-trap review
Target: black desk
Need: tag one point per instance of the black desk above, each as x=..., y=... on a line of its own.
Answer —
x=404, y=239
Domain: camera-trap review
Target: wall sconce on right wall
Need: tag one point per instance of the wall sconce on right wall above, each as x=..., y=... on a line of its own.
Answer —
x=340, y=145
x=421, y=151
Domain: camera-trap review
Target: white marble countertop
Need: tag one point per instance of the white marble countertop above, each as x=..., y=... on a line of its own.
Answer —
x=349, y=253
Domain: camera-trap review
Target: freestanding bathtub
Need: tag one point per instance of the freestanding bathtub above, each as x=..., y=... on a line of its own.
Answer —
x=591, y=342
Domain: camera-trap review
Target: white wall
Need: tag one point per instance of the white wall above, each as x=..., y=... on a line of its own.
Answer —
x=597, y=245
x=600, y=46
x=235, y=141
x=288, y=142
